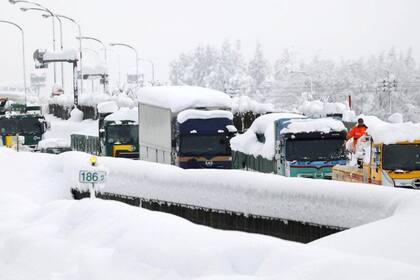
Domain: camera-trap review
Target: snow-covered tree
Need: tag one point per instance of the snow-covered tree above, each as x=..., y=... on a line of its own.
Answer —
x=259, y=70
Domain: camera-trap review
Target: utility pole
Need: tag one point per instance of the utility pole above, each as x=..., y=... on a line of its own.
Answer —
x=388, y=86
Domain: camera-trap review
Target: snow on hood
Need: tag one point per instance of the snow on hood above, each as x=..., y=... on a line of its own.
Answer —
x=324, y=125
x=179, y=98
x=245, y=104
x=248, y=143
x=202, y=114
x=124, y=114
x=69, y=54
x=391, y=133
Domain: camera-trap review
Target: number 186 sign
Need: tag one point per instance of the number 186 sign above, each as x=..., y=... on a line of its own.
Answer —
x=92, y=176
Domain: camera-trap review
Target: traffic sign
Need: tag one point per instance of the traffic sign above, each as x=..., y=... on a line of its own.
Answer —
x=92, y=176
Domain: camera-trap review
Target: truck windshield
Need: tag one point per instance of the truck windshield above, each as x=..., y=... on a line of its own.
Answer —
x=122, y=134
x=403, y=157
x=29, y=126
x=315, y=150
x=194, y=145
x=22, y=126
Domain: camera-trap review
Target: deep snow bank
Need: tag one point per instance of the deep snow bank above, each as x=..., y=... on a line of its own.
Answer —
x=313, y=201
x=103, y=240
x=43, y=236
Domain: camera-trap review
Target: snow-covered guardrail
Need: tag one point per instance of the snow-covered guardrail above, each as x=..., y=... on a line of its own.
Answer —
x=321, y=202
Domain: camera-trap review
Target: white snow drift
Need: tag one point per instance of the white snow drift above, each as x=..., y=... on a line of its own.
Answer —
x=45, y=235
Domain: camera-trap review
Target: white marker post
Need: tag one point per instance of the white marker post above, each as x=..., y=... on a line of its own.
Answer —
x=92, y=177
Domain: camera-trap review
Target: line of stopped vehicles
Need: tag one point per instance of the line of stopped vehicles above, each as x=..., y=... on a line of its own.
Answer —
x=193, y=127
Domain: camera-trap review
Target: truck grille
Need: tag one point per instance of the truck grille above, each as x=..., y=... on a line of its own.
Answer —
x=416, y=184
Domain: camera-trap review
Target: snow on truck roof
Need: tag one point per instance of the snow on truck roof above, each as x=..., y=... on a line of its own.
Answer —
x=324, y=125
x=243, y=104
x=293, y=123
x=179, y=98
x=248, y=143
x=391, y=133
x=202, y=114
x=124, y=114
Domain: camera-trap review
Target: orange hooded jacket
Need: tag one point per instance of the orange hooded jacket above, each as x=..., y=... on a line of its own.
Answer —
x=356, y=132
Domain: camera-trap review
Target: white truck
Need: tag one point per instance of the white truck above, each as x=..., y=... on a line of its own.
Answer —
x=185, y=126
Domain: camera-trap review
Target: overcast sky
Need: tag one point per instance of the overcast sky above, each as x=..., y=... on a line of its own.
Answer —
x=162, y=29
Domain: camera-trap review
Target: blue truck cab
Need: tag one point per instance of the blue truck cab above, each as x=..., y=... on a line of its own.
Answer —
x=309, y=148
x=203, y=139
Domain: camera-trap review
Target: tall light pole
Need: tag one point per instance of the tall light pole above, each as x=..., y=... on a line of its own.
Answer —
x=49, y=11
x=80, y=47
x=99, y=41
x=153, y=68
x=137, y=58
x=23, y=53
x=105, y=56
x=24, y=9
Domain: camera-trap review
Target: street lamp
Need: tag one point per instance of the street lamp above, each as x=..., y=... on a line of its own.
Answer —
x=105, y=56
x=24, y=9
x=97, y=40
x=80, y=46
x=153, y=68
x=23, y=53
x=42, y=7
x=137, y=58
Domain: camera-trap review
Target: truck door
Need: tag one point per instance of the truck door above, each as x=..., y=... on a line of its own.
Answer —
x=376, y=164
x=280, y=157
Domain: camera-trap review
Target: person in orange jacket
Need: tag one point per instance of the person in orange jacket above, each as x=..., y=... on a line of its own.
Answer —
x=357, y=131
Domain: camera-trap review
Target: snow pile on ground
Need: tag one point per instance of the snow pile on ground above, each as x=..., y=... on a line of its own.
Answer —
x=76, y=115
x=248, y=143
x=391, y=133
x=202, y=114
x=44, y=236
x=325, y=125
x=243, y=104
x=317, y=109
x=395, y=237
x=67, y=55
x=179, y=98
x=63, y=129
x=53, y=143
x=124, y=114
